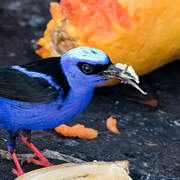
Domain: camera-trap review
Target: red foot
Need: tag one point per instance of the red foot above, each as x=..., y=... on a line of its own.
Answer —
x=19, y=170
x=39, y=162
x=43, y=160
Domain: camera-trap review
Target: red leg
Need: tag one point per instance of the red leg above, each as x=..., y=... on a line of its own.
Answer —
x=43, y=160
x=10, y=145
x=19, y=170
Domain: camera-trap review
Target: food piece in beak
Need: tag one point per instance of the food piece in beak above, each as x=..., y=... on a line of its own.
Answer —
x=125, y=74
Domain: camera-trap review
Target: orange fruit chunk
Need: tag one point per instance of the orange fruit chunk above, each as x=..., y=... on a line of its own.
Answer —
x=77, y=130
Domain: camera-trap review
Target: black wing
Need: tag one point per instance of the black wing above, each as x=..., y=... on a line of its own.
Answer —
x=17, y=85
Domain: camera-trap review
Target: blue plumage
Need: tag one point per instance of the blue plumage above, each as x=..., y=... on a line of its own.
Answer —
x=47, y=93
x=20, y=114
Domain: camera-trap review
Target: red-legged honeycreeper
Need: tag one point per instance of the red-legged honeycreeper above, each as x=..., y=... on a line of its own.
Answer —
x=47, y=93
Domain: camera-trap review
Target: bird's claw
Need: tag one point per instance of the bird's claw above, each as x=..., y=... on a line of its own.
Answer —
x=44, y=162
x=18, y=172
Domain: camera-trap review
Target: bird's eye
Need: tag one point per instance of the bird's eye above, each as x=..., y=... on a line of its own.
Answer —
x=87, y=68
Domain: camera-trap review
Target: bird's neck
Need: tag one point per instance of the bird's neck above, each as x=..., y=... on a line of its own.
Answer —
x=74, y=104
x=80, y=96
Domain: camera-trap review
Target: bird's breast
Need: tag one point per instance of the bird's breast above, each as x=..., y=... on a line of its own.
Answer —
x=43, y=116
x=75, y=104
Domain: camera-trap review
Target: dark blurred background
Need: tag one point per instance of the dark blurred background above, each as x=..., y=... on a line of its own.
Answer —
x=150, y=136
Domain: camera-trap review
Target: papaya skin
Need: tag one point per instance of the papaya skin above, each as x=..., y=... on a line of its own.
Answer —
x=143, y=34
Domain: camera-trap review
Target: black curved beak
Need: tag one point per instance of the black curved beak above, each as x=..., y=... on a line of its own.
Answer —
x=126, y=76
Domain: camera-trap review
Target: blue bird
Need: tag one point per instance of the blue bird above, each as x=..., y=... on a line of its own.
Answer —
x=47, y=93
